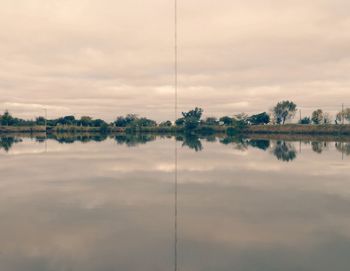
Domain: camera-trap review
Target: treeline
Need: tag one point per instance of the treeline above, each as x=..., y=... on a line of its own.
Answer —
x=281, y=113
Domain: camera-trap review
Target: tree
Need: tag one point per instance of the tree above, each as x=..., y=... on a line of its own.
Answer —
x=180, y=122
x=343, y=115
x=241, y=117
x=305, y=120
x=40, y=121
x=211, y=121
x=327, y=118
x=192, y=118
x=86, y=121
x=166, y=124
x=67, y=120
x=317, y=116
x=284, y=110
x=262, y=118
x=226, y=120
x=6, y=119
x=144, y=122
x=339, y=118
x=125, y=121
x=99, y=123
x=347, y=114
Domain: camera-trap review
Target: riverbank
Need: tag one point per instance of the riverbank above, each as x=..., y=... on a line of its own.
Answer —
x=330, y=129
x=57, y=129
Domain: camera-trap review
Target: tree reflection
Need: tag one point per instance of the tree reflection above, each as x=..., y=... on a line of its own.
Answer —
x=239, y=143
x=6, y=143
x=318, y=146
x=132, y=140
x=190, y=140
x=284, y=151
x=343, y=147
x=69, y=138
x=262, y=144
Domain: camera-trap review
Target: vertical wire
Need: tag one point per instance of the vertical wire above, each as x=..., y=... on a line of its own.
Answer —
x=175, y=60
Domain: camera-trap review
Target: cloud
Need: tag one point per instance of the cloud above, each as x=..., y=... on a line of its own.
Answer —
x=109, y=58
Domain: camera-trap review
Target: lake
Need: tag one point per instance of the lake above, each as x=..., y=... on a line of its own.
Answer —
x=103, y=203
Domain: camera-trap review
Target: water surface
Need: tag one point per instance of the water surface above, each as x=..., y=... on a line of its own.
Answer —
x=87, y=203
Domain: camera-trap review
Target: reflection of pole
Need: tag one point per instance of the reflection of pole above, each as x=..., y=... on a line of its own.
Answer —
x=175, y=210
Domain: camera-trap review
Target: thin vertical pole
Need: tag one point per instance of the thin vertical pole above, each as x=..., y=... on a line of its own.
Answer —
x=342, y=113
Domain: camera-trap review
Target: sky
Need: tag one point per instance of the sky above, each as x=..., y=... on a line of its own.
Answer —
x=109, y=57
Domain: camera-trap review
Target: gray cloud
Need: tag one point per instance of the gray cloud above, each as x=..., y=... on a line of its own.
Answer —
x=109, y=58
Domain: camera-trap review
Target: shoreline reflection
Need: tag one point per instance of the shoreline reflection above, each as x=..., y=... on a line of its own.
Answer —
x=285, y=150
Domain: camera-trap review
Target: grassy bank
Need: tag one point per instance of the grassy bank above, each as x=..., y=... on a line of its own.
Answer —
x=22, y=129
x=329, y=129
x=57, y=129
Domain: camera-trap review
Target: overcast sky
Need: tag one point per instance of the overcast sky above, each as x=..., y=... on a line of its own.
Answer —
x=109, y=57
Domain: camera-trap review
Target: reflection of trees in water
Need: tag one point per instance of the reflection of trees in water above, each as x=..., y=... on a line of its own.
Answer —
x=191, y=141
x=343, y=147
x=6, y=143
x=284, y=151
x=210, y=138
x=132, y=140
x=262, y=144
x=238, y=143
x=243, y=143
x=71, y=138
x=318, y=146
x=40, y=139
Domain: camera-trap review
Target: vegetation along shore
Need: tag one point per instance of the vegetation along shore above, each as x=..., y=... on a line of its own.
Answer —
x=278, y=121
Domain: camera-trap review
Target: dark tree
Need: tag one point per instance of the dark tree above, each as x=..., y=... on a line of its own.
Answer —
x=226, y=120
x=317, y=116
x=192, y=118
x=284, y=110
x=166, y=124
x=305, y=121
x=262, y=118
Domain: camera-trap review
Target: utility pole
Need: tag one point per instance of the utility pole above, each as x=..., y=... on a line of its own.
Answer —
x=342, y=113
x=300, y=114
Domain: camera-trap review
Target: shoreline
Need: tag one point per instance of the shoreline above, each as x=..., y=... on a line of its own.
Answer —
x=287, y=129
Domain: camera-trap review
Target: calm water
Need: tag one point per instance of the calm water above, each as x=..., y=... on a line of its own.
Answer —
x=103, y=204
